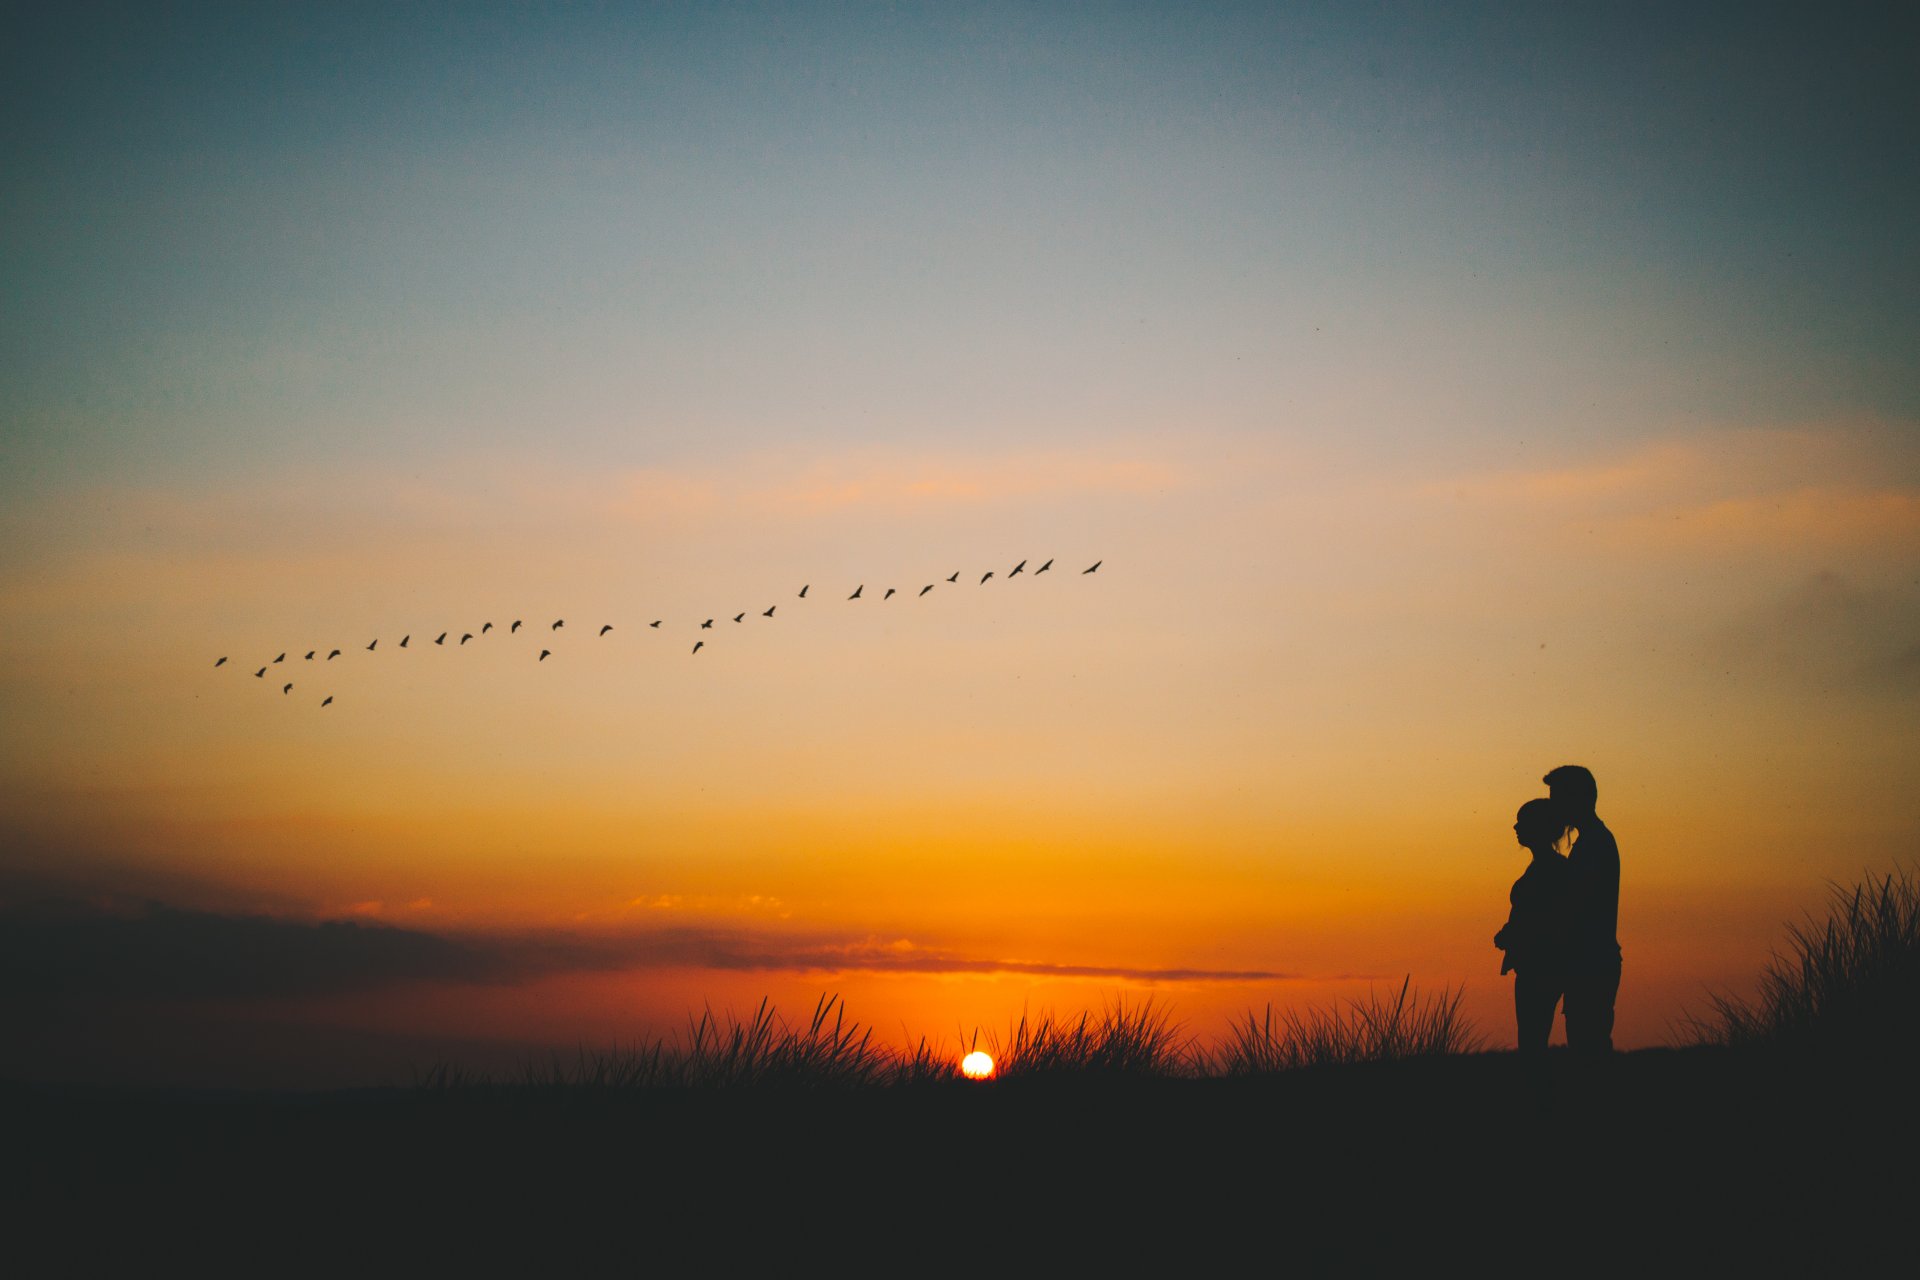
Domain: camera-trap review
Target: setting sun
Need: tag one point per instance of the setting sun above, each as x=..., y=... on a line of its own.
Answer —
x=977, y=1065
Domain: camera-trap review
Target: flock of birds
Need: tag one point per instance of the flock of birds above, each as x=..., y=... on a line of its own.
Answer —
x=313, y=655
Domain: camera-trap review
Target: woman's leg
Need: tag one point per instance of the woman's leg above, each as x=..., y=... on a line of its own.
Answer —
x=1535, y=996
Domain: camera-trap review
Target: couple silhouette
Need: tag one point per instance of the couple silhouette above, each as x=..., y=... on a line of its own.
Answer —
x=1560, y=938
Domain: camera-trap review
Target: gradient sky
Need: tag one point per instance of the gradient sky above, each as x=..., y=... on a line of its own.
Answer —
x=1451, y=392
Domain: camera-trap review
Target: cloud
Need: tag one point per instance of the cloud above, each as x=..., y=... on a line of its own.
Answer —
x=60, y=951
x=50, y=952
x=1727, y=490
x=1826, y=630
x=894, y=482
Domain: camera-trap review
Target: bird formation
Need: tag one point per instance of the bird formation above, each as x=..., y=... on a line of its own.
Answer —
x=707, y=625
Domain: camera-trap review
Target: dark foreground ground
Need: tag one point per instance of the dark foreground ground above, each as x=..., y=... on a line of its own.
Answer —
x=1667, y=1160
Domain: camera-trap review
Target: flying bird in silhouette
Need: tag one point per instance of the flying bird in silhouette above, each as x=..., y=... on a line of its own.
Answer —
x=376, y=640
x=739, y=615
x=707, y=625
x=924, y=590
x=222, y=662
x=405, y=638
x=889, y=594
x=988, y=574
x=543, y=654
x=654, y=623
x=466, y=637
x=557, y=624
x=328, y=701
x=310, y=654
x=281, y=658
x=955, y=577
x=857, y=590
x=441, y=638
x=333, y=655
x=486, y=628
x=698, y=645
x=286, y=689
x=803, y=591
x=515, y=627
x=1043, y=568
x=606, y=628
x=261, y=672
x=1095, y=565
x=769, y=612
x=1017, y=568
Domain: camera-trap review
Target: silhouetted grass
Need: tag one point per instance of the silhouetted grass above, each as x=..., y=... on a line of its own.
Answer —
x=762, y=1051
x=1370, y=1030
x=1124, y=1042
x=1849, y=984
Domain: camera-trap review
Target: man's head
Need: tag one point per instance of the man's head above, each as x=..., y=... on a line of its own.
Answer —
x=1573, y=789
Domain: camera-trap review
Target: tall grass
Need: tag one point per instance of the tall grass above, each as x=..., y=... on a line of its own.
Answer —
x=1375, y=1029
x=1123, y=1042
x=828, y=1051
x=1848, y=984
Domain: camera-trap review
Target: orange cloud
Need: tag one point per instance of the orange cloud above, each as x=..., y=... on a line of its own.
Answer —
x=1728, y=490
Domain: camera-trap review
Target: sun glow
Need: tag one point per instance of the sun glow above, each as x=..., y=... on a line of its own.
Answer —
x=977, y=1066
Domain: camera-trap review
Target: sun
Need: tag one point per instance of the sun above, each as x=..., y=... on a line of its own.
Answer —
x=977, y=1066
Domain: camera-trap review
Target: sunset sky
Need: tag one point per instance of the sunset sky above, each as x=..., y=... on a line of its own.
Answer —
x=1449, y=392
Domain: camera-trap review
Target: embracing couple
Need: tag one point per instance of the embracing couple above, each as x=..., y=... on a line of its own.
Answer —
x=1561, y=939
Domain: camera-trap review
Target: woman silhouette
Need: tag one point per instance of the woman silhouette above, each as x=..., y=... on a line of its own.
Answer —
x=1535, y=936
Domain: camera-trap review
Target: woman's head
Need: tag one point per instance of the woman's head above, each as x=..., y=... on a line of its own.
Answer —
x=1539, y=824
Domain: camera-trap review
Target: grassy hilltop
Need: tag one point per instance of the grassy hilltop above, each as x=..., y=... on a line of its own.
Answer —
x=1341, y=1130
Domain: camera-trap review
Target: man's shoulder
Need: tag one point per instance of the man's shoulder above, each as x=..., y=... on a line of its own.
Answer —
x=1595, y=841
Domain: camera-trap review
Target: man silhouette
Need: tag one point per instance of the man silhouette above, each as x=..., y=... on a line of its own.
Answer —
x=1593, y=951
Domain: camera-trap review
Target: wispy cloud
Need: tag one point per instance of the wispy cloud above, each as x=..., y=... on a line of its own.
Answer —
x=51, y=952
x=896, y=482
x=1729, y=490
x=1826, y=630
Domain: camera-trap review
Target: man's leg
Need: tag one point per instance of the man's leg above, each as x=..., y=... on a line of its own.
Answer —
x=1589, y=1005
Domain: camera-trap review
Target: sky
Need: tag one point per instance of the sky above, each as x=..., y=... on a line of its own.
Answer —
x=1447, y=392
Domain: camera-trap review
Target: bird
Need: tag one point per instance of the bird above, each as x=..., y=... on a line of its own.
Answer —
x=989, y=574
x=606, y=628
x=261, y=672
x=543, y=654
x=333, y=655
x=803, y=591
x=739, y=615
x=441, y=638
x=310, y=654
x=655, y=623
x=514, y=627
x=955, y=577
x=1095, y=565
x=1043, y=568
x=698, y=645
x=405, y=638
x=557, y=624
x=466, y=636
x=925, y=589
x=486, y=628
x=769, y=612
x=1017, y=568
x=889, y=594
x=376, y=640
x=328, y=701
x=707, y=625
x=281, y=658
x=286, y=689
x=222, y=662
